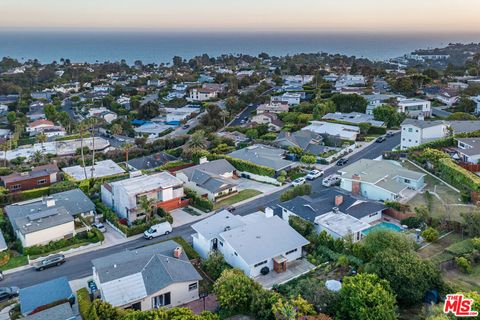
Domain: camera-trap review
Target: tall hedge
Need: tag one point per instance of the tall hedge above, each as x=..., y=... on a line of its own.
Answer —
x=84, y=302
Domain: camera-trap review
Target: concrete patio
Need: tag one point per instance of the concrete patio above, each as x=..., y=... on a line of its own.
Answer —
x=294, y=270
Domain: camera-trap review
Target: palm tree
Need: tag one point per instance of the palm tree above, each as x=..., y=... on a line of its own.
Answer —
x=116, y=129
x=93, y=122
x=197, y=140
x=41, y=138
x=126, y=147
x=37, y=156
x=224, y=114
x=81, y=128
x=147, y=205
x=4, y=148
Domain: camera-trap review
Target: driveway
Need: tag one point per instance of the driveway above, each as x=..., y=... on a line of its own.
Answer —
x=112, y=236
x=294, y=270
x=244, y=184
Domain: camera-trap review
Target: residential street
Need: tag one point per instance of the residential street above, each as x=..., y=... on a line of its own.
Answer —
x=80, y=266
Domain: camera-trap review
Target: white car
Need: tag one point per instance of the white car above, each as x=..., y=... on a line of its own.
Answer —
x=158, y=230
x=314, y=174
x=331, y=180
x=100, y=227
x=298, y=182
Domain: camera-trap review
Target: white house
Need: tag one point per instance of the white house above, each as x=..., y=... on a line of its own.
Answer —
x=469, y=149
x=344, y=131
x=417, y=132
x=340, y=225
x=102, y=113
x=380, y=179
x=250, y=243
x=273, y=107
x=477, y=101
x=202, y=94
x=39, y=125
x=291, y=98
x=102, y=89
x=349, y=80
x=147, y=278
x=180, y=114
x=415, y=108
x=124, y=196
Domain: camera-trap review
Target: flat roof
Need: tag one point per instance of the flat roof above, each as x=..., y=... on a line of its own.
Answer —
x=341, y=224
x=103, y=168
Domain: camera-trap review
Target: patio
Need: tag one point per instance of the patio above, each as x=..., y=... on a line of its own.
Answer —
x=294, y=269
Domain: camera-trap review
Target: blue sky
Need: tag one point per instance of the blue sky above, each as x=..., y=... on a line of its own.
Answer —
x=245, y=15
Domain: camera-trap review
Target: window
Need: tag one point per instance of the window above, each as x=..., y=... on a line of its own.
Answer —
x=193, y=286
x=221, y=243
x=235, y=253
x=291, y=251
x=41, y=181
x=16, y=187
x=410, y=130
x=260, y=263
x=161, y=300
x=407, y=180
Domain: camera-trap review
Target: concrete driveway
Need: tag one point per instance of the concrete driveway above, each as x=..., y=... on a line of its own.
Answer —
x=243, y=184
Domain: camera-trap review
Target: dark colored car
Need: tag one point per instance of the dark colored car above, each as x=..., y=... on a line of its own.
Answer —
x=230, y=208
x=390, y=134
x=342, y=162
x=7, y=293
x=380, y=139
x=186, y=126
x=48, y=262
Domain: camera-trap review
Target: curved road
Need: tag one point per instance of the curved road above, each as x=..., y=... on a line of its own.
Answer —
x=80, y=266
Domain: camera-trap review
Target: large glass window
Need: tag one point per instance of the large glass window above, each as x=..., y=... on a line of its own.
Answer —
x=161, y=300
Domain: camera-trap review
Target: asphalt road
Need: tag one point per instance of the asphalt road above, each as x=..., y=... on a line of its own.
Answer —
x=246, y=113
x=80, y=266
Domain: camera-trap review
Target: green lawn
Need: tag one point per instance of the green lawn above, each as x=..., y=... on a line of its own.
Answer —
x=439, y=246
x=15, y=262
x=242, y=195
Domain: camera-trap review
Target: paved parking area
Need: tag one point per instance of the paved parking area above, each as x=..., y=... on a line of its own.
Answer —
x=181, y=217
x=244, y=184
x=294, y=269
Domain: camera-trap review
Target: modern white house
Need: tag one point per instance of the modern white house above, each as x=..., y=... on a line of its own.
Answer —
x=343, y=131
x=340, y=225
x=147, y=278
x=124, y=196
x=202, y=94
x=291, y=98
x=380, y=179
x=250, y=243
x=468, y=149
x=349, y=80
x=415, y=108
x=180, y=114
x=273, y=107
x=212, y=179
x=417, y=132
x=376, y=100
x=268, y=118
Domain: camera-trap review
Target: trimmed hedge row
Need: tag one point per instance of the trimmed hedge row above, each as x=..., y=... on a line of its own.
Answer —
x=242, y=165
x=189, y=251
x=84, y=302
x=198, y=202
x=300, y=190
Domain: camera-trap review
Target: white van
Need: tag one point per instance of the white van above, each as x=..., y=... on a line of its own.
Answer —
x=158, y=230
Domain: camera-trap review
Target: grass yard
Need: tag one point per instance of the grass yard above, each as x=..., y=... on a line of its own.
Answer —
x=439, y=246
x=464, y=282
x=15, y=262
x=240, y=196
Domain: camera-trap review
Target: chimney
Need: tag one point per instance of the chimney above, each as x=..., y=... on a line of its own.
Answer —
x=335, y=210
x=421, y=117
x=356, y=184
x=177, y=252
x=338, y=200
x=268, y=212
x=202, y=160
x=50, y=202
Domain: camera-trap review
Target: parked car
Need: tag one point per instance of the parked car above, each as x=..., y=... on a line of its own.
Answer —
x=158, y=230
x=48, y=262
x=390, y=134
x=380, y=139
x=298, y=182
x=314, y=174
x=331, y=180
x=7, y=293
x=186, y=127
x=100, y=227
x=342, y=162
x=229, y=208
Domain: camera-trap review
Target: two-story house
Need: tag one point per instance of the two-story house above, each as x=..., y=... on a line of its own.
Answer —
x=124, y=196
x=468, y=149
x=415, y=108
x=417, y=132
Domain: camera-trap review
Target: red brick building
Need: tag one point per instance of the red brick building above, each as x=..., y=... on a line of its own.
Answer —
x=41, y=176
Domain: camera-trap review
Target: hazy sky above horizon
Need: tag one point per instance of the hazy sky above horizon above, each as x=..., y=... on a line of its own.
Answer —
x=244, y=15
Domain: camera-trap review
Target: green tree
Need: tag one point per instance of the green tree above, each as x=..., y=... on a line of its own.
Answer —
x=215, y=264
x=350, y=103
x=380, y=240
x=197, y=140
x=126, y=147
x=116, y=129
x=464, y=264
x=41, y=138
x=234, y=291
x=11, y=117
x=366, y=297
x=308, y=159
x=471, y=223
x=37, y=156
x=465, y=104
x=409, y=275
x=388, y=115
x=323, y=108
x=252, y=134
x=461, y=116
x=430, y=234
x=147, y=205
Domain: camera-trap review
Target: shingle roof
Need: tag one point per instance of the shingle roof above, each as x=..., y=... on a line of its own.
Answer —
x=60, y=312
x=151, y=162
x=131, y=275
x=302, y=138
x=263, y=155
x=44, y=293
x=211, y=227
x=36, y=172
x=310, y=208
x=43, y=220
x=74, y=201
x=208, y=175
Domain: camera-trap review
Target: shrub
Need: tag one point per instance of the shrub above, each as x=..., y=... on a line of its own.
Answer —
x=300, y=190
x=430, y=234
x=464, y=264
x=83, y=302
x=215, y=264
x=412, y=222
x=302, y=226
x=198, y=202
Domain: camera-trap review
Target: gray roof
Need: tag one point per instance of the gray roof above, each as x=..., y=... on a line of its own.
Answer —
x=211, y=227
x=302, y=139
x=309, y=208
x=207, y=175
x=42, y=220
x=422, y=124
x=36, y=172
x=353, y=117
x=464, y=126
x=261, y=238
x=60, y=312
x=3, y=243
x=215, y=167
x=73, y=201
x=154, y=265
x=44, y=293
x=151, y=161
x=381, y=173
x=473, y=142
x=263, y=156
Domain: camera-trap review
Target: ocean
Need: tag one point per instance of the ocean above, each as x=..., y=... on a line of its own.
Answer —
x=158, y=47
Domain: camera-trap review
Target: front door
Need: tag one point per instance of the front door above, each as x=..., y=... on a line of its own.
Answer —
x=215, y=244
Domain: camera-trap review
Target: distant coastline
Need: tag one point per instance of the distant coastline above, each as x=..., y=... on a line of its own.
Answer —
x=158, y=47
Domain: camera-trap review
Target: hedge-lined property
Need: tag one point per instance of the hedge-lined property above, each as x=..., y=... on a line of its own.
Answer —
x=242, y=165
x=198, y=202
x=301, y=190
x=84, y=302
